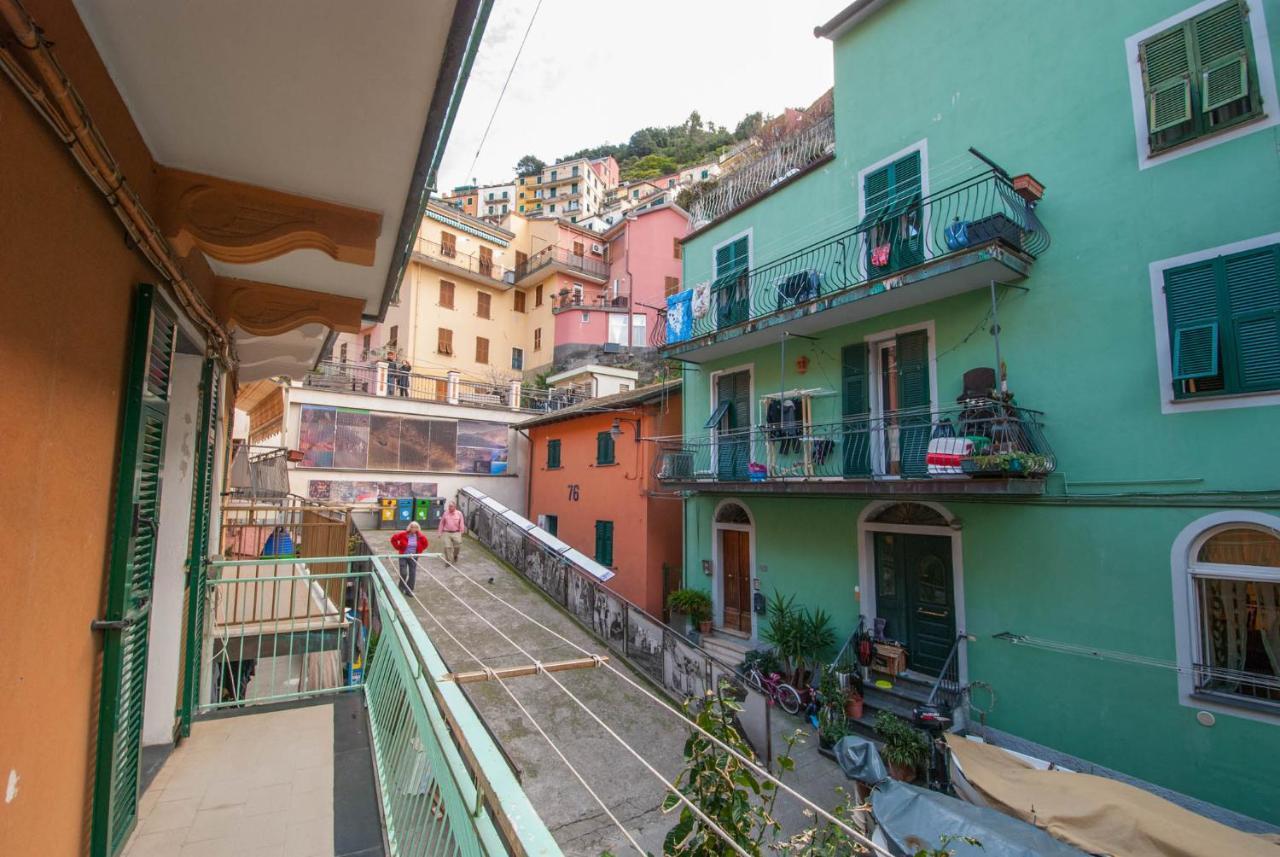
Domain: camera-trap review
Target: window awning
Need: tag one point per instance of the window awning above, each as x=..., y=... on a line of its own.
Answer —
x=718, y=414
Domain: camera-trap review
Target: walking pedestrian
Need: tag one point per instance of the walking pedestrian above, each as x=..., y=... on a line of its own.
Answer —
x=452, y=526
x=409, y=543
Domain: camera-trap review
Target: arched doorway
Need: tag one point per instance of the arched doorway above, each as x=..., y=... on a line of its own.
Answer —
x=734, y=553
x=910, y=579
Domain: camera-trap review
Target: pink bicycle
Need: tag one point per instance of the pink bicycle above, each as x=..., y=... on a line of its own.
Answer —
x=783, y=695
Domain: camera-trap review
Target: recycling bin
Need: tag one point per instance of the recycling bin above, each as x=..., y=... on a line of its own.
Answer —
x=404, y=512
x=386, y=513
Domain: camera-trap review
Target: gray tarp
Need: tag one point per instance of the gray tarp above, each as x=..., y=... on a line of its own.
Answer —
x=860, y=760
x=911, y=818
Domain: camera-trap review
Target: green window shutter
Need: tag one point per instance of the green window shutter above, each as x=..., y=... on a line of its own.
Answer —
x=1253, y=296
x=1166, y=74
x=604, y=448
x=1195, y=351
x=733, y=452
x=1222, y=44
x=604, y=542
x=916, y=426
x=1191, y=300
x=553, y=453
x=855, y=404
x=875, y=189
x=137, y=507
x=201, y=509
x=906, y=176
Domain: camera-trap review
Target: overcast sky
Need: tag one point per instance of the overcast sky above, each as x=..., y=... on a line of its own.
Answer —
x=594, y=71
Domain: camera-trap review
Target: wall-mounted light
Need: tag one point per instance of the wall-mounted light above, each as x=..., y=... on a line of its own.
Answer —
x=615, y=430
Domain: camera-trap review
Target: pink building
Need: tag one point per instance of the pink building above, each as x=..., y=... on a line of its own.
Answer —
x=643, y=257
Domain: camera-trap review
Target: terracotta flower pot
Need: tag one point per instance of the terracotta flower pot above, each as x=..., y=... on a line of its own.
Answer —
x=853, y=707
x=902, y=773
x=704, y=626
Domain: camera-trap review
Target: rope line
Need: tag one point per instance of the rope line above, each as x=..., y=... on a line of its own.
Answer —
x=491, y=673
x=656, y=773
x=762, y=772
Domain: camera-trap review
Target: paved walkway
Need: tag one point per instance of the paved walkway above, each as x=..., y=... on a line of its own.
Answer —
x=631, y=793
x=254, y=784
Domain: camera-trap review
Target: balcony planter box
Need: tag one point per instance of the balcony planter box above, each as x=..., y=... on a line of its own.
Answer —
x=1005, y=465
x=993, y=228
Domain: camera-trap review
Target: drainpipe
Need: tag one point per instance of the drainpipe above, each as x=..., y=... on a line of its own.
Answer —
x=631, y=287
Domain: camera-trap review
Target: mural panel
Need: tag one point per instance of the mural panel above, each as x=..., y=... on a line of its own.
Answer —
x=351, y=448
x=317, y=432
x=644, y=644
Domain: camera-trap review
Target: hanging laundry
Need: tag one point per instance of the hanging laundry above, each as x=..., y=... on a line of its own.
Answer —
x=880, y=255
x=701, y=299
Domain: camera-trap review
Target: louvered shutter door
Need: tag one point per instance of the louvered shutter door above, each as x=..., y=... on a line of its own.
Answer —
x=875, y=190
x=1253, y=294
x=1222, y=46
x=1166, y=68
x=916, y=425
x=202, y=507
x=732, y=448
x=1191, y=299
x=604, y=542
x=854, y=406
x=909, y=229
x=137, y=505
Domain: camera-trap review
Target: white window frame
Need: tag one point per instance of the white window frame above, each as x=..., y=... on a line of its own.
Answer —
x=749, y=234
x=921, y=146
x=1266, y=85
x=613, y=329
x=639, y=330
x=1186, y=619
x=875, y=402
x=1164, y=360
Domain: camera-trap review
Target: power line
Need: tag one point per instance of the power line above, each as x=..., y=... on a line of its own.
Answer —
x=505, y=83
x=760, y=771
x=656, y=773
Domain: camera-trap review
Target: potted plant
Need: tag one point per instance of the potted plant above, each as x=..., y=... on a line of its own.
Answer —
x=853, y=699
x=694, y=603
x=905, y=747
x=1006, y=464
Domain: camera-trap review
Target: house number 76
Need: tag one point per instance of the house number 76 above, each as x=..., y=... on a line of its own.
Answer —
x=573, y=493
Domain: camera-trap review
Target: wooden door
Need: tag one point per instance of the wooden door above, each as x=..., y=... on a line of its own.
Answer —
x=915, y=595
x=735, y=560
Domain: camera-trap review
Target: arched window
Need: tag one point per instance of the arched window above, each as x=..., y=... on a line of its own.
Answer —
x=1235, y=577
x=732, y=513
x=916, y=514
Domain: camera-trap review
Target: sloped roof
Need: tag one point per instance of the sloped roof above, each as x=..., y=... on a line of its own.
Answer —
x=606, y=404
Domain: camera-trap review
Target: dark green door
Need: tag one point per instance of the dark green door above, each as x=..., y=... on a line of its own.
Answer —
x=915, y=418
x=733, y=441
x=915, y=594
x=126, y=622
x=201, y=508
x=894, y=217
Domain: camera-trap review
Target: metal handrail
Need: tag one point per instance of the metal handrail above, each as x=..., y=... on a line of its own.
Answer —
x=947, y=688
x=564, y=256
x=896, y=235
x=470, y=263
x=981, y=437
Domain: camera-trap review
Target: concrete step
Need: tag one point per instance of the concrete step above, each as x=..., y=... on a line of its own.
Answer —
x=726, y=648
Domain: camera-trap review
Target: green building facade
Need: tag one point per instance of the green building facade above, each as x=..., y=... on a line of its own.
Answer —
x=1099, y=183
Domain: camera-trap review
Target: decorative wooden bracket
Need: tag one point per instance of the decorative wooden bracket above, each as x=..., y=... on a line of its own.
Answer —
x=266, y=309
x=241, y=223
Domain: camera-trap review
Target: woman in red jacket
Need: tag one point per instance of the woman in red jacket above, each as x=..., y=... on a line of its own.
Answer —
x=409, y=543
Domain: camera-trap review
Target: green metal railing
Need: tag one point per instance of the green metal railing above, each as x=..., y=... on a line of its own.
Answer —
x=275, y=632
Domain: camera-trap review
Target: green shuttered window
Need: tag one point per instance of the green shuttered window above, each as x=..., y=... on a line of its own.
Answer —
x=604, y=448
x=1200, y=76
x=604, y=542
x=1224, y=324
x=553, y=454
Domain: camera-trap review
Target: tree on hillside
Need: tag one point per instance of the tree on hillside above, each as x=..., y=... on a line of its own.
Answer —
x=530, y=165
x=749, y=126
x=650, y=167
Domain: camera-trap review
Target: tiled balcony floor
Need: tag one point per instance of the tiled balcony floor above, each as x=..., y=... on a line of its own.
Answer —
x=252, y=785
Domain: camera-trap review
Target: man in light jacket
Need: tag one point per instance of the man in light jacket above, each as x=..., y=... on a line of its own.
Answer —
x=452, y=526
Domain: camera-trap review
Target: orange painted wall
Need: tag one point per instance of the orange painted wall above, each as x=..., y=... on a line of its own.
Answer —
x=647, y=530
x=67, y=278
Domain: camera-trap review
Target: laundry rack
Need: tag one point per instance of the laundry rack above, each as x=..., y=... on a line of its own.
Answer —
x=804, y=466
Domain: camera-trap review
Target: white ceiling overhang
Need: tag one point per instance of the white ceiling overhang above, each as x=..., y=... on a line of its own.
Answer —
x=344, y=102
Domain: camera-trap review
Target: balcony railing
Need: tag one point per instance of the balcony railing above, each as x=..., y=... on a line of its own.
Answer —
x=756, y=176
x=553, y=255
x=979, y=440
x=278, y=630
x=897, y=235
x=472, y=264
x=378, y=379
